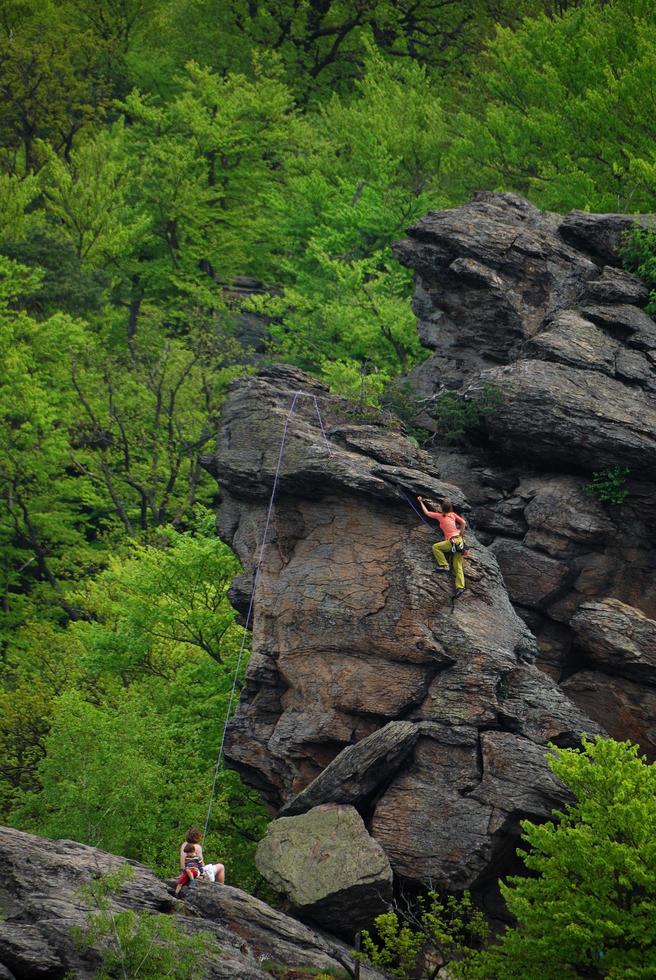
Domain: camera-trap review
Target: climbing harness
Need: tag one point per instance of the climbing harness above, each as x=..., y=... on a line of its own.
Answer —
x=281, y=453
x=459, y=548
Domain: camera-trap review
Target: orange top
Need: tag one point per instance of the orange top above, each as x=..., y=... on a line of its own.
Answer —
x=451, y=524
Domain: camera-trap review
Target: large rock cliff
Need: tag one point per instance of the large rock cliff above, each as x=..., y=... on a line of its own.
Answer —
x=369, y=687
x=539, y=306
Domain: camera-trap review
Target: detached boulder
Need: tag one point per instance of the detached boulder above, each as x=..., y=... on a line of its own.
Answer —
x=357, y=772
x=328, y=866
x=617, y=638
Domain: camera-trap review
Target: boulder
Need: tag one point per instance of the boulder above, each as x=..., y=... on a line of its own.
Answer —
x=617, y=638
x=532, y=579
x=554, y=413
x=359, y=770
x=42, y=903
x=625, y=708
x=328, y=866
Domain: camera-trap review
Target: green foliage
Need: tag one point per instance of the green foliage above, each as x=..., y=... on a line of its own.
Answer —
x=56, y=82
x=609, y=485
x=374, y=168
x=124, y=736
x=554, y=107
x=396, y=947
x=139, y=944
x=320, y=48
x=447, y=930
x=459, y=418
x=639, y=254
x=350, y=380
x=589, y=908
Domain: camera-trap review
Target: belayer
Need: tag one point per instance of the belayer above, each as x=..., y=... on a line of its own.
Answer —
x=452, y=526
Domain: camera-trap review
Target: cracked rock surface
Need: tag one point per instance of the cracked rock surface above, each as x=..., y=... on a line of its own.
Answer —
x=353, y=629
x=558, y=327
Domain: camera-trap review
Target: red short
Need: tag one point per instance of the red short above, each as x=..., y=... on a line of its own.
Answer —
x=188, y=875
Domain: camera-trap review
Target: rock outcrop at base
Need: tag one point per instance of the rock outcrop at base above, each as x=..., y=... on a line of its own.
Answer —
x=354, y=628
x=42, y=904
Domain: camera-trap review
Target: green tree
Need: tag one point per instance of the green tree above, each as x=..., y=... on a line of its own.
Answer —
x=54, y=82
x=156, y=606
x=128, y=732
x=375, y=168
x=589, y=908
x=42, y=511
x=321, y=46
x=554, y=110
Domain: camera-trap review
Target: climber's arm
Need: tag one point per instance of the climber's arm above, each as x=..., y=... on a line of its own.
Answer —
x=425, y=511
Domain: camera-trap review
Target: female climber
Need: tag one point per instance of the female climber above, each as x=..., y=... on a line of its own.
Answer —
x=452, y=526
x=213, y=872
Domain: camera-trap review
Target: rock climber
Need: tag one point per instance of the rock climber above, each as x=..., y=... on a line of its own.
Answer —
x=452, y=526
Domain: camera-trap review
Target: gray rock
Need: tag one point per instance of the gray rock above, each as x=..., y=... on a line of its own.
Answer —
x=558, y=414
x=617, y=638
x=450, y=814
x=601, y=235
x=532, y=579
x=625, y=708
x=505, y=288
x=618, y=286
x=328, y=866
x=630, y=324
x=42, y=903
x=571, y=339
x=354, y=629
x=359, y=770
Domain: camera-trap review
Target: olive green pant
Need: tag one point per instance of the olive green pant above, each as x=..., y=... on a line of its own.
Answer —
x=440, y=548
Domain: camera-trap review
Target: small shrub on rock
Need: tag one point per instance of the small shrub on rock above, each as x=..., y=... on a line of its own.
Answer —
x=425, y=936
x=460, y=418
x=609, y=486
x=139, y=944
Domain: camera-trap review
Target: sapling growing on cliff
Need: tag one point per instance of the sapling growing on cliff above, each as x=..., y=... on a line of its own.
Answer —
x=425, y=935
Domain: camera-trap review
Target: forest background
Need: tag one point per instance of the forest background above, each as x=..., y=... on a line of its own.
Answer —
x=168, y=167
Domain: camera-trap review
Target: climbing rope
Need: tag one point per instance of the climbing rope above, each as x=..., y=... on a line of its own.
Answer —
x=417, y=512
x=281, y=453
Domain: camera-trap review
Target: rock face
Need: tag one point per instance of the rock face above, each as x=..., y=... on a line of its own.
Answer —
x=41, y=905
x=329, y=867
x=354, y=629
x=538, y=306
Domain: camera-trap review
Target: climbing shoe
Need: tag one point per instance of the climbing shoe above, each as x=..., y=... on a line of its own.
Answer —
x=459, y=594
